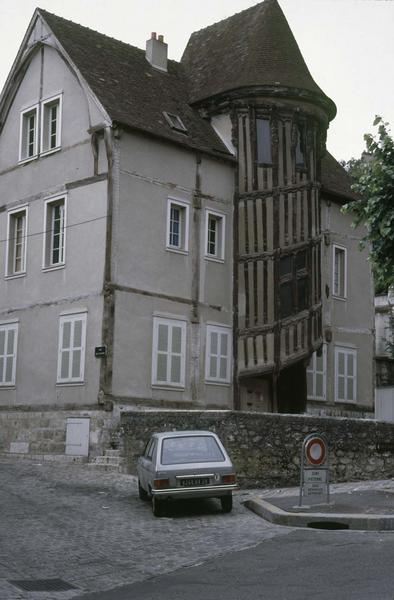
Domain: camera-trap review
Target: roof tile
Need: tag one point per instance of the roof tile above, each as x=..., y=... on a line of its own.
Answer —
x=132, y=91
x=252, y=48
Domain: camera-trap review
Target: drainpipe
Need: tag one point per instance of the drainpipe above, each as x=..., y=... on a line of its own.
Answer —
x=195, y=290
x=107, y=331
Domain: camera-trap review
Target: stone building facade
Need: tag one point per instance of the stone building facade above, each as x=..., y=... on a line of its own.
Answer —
x=163, y=228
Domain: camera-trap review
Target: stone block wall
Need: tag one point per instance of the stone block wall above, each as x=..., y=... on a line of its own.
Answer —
x=43, y=432
x=265, y=448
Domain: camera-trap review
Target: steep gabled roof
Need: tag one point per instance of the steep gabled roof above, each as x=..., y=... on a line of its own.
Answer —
x=336, y=181
x=133, y=92
x=255, y=47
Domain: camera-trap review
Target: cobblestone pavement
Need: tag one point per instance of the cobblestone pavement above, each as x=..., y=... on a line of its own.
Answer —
x=90, y=529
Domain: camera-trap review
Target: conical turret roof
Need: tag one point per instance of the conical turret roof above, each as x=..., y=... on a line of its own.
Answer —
x=255, y=47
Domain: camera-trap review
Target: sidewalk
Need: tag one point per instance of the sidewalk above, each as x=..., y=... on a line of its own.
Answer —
x=367, y=505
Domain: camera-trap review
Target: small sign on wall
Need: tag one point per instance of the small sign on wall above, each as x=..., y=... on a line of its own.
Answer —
x=100, y=351
x=314, y=483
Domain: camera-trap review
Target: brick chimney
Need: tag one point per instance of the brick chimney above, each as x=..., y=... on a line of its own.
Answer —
x=156, y=52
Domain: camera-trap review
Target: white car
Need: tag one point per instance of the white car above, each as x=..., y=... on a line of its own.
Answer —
x=185, y=464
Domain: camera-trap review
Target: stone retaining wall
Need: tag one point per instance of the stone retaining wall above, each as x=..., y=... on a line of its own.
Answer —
x=265, y=448
x=43, y=432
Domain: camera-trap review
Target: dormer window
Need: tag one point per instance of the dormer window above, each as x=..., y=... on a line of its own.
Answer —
x=28, y=145
x=50, y=124
x=174, y=122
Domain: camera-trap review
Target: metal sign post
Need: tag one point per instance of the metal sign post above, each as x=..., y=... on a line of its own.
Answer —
x=315, y=474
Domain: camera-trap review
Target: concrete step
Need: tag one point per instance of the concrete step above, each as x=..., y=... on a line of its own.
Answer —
x=111, y=452
x=60, y=458
x=113, y=461
x=107, y=467
x=110, y=461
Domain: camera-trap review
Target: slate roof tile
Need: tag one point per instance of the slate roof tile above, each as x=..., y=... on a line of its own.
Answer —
x=130, y=89
x=135, y=94
x=253, y=47
x=335, y=180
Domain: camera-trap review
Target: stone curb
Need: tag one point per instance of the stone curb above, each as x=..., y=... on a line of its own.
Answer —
x=360, y=521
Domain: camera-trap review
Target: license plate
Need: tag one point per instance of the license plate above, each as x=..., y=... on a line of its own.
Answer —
x=194, y=481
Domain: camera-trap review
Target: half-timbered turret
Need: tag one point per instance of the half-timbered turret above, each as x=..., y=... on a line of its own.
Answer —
x=248, y=76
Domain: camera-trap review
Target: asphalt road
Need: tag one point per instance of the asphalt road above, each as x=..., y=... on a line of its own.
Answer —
x=341, y=565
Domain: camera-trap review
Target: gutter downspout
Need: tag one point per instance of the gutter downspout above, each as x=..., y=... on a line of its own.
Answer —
x=107, y=331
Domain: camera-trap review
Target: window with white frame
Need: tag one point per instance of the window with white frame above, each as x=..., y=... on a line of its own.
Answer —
x=339, y=284
x=177, y=225
x=214, y=235
x=71, y=351
x=316, y=374
x=28, y=142
x=40, y=128
x=54, y=232
x=8, y=346
x=51, y=124
x=218, y=354
x=345, y=374
x=16, y=242
x=168, y=352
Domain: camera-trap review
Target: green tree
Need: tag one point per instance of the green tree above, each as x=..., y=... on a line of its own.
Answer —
x=373, y=174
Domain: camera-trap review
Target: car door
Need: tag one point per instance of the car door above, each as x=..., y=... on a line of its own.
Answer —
x=147, y=465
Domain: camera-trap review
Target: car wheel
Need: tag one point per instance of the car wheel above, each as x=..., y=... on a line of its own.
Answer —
x=141, y=492
x=227, y=503
x=157, y=507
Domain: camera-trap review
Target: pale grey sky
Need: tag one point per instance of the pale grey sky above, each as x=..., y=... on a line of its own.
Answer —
x=348, y=45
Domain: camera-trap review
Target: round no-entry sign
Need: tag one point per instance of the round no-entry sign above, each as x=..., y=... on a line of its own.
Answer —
x=315, y=451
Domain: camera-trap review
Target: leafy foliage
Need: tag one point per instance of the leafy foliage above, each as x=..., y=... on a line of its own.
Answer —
x=374, y=182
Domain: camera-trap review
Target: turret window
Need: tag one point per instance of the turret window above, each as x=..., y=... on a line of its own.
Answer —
x=263, y=136
x=300, y=147
x=293, y=282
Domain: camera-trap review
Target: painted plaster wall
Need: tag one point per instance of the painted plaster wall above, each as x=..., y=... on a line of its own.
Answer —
x=350, y=321
x=133, y=355
x=158, y=281
x=38, y=298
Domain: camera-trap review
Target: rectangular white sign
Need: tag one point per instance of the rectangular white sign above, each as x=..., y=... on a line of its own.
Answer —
x=315, y=475
x=315, y=489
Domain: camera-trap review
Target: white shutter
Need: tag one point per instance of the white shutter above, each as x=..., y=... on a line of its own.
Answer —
x=71, y=354
x=162, y=352
x=168, y=352
x=8, y=345
x=175, y=362
x=218, y=354
x=345, y=375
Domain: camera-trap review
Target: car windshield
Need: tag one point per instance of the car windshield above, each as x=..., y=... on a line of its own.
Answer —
x=190, y=449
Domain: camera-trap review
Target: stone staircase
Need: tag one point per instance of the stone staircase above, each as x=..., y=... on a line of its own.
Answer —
x=110, y=461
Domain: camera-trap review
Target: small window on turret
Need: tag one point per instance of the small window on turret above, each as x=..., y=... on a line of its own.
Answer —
x=300, y=147
x=293, y=284
x=263, y=136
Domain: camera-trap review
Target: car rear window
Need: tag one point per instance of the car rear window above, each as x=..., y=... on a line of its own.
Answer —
x=190, y=449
